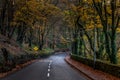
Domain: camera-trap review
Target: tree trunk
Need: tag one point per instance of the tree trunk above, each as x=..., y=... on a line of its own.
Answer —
x=21, y=33
x=113, y=58
x=75, y=44
x=41, y=41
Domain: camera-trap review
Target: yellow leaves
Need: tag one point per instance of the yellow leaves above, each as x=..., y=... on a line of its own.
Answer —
x=33, y=10
x=73, y=7
x=109, y=21
x=97, y=17
x=18, y=13
x=23, y=8
x=66, y=12
x=85, y=37
x=93, y=24
x=63, y=40
x=97, y=1
x=84, y=17
x=99, y=26
x=118, y=30
x=90, y=25
x=109, y=10
x=24, y=13
x=48, y=10
x=42, y=28
x=13, y=23
x=32, y=5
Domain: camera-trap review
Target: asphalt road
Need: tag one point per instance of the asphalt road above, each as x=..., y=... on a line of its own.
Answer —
x=52, y=68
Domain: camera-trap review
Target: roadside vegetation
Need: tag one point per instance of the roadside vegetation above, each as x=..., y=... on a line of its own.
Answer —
x=94, y=26
x=95, y=31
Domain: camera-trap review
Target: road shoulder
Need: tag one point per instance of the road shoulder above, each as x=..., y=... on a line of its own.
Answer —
x=90, y=72
x=17, y=68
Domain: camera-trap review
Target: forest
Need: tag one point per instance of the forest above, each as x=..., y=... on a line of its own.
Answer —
x=88, y=28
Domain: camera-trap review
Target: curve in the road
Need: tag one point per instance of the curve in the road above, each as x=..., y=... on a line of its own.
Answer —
x=52, y=68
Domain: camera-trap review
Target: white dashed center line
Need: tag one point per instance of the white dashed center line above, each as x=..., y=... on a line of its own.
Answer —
x=49, y=66
x=48, y=75
x=48, y=70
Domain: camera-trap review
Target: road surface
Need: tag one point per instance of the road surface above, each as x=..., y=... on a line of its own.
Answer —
x=52, y=68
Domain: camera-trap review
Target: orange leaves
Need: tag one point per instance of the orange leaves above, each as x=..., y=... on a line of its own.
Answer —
x=33, y=10
x=98, y=1
x=73, y=8
x=26, y=11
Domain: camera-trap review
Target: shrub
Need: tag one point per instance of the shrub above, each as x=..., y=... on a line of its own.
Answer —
x=100, y=65
x=9, y=61
x=45, y=52
x=1, y=62
x=6, y=60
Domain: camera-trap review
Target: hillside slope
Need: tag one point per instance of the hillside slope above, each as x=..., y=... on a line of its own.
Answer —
x=10, y=45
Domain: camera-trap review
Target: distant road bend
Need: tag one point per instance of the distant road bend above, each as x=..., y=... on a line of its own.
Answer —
x=52, y=68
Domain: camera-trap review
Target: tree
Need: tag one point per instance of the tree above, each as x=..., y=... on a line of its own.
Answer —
x=108, y=12
x=7, y=14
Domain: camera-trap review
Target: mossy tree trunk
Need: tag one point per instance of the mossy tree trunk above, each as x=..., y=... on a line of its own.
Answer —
x=21, y=33
x=109, y=29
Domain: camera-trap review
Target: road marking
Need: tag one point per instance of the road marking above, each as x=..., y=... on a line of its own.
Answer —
x=48, y=70
x=48, y=74
x=49, y=64
x=49, y=67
